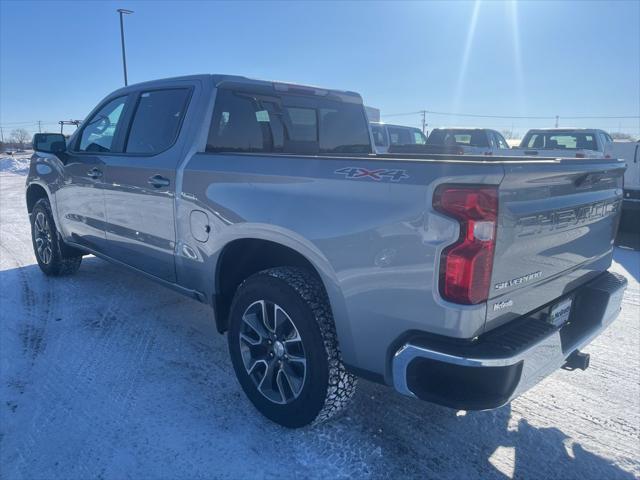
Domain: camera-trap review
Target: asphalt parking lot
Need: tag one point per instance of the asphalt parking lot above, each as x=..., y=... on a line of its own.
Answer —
x=108, y=375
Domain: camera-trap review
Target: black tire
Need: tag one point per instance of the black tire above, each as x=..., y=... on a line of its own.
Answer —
x=326, y=387
x=54, y=257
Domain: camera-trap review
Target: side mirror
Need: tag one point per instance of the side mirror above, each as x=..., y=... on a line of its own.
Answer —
x=49, y=142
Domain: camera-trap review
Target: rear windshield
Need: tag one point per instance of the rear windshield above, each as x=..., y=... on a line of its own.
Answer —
x=284, y=123
x=464, y=138
x=560, y=140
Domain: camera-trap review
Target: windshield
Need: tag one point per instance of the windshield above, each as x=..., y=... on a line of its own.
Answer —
x=461, y=137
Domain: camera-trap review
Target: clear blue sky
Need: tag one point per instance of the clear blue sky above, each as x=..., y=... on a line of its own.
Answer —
x=58, y=59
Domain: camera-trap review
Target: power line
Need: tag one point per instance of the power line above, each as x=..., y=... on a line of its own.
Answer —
x=515, y=117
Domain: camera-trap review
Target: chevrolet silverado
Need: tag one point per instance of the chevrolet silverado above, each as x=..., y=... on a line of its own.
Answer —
x=459, y=280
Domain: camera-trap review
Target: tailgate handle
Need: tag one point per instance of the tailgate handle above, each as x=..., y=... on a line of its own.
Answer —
x=158, y=181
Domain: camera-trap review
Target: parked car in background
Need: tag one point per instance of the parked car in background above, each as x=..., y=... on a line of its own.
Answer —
x=630, y=152
x=469, y=141
x=386, y=136
x=566, y=142
x=463, y=283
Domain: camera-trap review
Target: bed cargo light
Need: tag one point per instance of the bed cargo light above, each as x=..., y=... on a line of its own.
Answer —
x=465, y=266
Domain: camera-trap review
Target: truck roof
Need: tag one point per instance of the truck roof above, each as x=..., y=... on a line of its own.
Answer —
x=238, y=80
x=566, y=129
x=463, y=128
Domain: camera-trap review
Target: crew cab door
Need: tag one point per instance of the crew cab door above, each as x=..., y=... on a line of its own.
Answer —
x=140, y=184
x=80, y=198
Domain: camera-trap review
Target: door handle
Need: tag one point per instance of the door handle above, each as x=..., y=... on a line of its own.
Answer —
x=94, y=173
x=159, y=181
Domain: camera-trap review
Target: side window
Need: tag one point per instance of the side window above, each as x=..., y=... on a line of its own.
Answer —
x=156, y=120
x=100, y=130
x=419, y=138
x=500, y=141
x=304, y=124
x=399, y=136
x=604, y=139
x=379, y=137
x=236, y=124
x=536, y=141
x=343, y=129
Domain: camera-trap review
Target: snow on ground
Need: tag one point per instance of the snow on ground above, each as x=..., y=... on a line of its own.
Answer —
x=108, y=375
x=16, y=163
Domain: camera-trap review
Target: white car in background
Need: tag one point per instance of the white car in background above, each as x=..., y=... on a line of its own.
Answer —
x=470, y=141
x=566, y=143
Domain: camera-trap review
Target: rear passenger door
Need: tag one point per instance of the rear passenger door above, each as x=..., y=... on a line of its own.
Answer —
x=140, y=183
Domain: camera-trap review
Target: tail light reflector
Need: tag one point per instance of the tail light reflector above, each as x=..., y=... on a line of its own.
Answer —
x=465, y=266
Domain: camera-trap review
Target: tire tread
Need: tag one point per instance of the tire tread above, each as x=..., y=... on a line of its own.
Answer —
x=342, y=384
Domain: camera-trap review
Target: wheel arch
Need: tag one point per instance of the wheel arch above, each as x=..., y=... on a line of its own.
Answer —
x=242, y=257
x=35, y=192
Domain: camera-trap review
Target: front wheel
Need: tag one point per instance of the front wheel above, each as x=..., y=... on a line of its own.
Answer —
x=53, y=256
x=284, y=348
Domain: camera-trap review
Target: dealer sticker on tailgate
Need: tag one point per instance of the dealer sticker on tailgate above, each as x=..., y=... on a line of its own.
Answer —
x=560, y=312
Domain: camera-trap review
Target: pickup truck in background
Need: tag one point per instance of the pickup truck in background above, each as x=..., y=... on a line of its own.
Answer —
x=630, y=153
x=458, y=280
x=563, y=142
x=468, y=141
x=387, y=136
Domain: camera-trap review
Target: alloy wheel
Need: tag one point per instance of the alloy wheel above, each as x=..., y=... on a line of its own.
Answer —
x=43, y=238
x=272, y=352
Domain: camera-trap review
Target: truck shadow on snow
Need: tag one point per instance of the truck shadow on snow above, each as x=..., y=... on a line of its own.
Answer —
x=381, y=434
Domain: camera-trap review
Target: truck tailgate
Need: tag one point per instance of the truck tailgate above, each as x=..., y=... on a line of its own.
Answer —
x=556, y=227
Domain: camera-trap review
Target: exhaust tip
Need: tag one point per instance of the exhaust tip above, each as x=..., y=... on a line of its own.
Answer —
x=577, y=360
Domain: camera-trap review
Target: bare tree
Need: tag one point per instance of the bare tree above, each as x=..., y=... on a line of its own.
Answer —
x=20, y=136
x=508, y=134
x=622, y=136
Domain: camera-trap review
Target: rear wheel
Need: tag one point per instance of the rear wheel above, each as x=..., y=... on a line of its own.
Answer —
x=284, y=348
x=53, y=256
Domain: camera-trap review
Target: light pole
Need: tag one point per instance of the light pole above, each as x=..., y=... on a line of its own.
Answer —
x=123, y=11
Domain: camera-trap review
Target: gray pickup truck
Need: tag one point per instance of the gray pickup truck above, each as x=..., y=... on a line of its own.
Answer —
x=459, y=280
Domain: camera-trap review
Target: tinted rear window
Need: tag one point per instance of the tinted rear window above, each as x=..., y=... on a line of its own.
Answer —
x=157, y=120
x=282, y=123
x=464, y=138
x=560, y=140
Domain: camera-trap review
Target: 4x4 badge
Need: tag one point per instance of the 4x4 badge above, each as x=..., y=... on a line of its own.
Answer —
x=378, y=174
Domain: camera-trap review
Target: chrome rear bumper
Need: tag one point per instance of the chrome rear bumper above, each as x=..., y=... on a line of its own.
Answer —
x=502, y=365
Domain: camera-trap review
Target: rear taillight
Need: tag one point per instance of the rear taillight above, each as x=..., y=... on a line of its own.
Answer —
x=465, y=266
